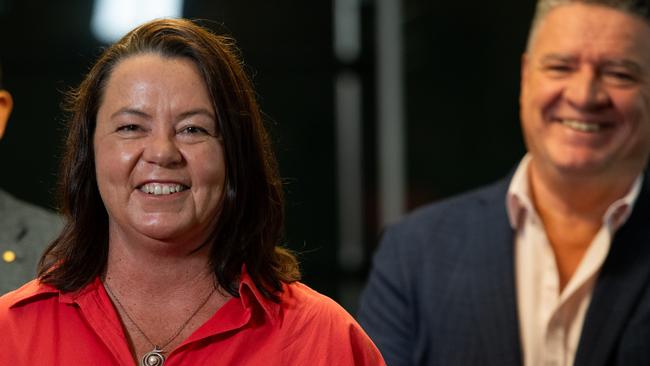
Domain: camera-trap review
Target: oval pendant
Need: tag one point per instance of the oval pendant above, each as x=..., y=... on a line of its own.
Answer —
x=153, y=358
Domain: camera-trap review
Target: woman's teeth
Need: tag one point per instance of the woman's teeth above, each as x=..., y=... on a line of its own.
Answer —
x=162, y=189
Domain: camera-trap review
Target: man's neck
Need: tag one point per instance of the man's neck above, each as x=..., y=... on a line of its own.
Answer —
x=575, y=197
x=572, y=210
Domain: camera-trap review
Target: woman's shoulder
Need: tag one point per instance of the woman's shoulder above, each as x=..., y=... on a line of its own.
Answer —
x=305, y=309
x=300, y=300
x=319, y=324
x=30, y=293
x=26, y=307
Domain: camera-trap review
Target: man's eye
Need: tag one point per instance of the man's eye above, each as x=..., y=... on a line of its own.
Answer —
x=558, y=69
x=619, y=77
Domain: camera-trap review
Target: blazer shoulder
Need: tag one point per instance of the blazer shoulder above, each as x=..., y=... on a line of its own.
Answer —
x=453, y=211
x=26, y=214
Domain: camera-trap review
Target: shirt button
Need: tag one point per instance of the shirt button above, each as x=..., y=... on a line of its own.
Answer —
x=9, y=256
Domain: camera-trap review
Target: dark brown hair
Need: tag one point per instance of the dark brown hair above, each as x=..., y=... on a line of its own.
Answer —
x=251, y=218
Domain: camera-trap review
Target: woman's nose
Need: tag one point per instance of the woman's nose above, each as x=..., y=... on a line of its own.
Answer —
x=162, y=149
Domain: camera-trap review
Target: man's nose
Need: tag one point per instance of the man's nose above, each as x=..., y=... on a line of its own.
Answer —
x=162, y=149
x=586, y=91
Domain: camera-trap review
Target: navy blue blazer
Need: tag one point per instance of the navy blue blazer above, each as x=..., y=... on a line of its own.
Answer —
x=442, y=288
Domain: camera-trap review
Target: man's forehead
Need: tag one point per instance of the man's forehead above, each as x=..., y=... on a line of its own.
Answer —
x=594, y=30
x=630, y=64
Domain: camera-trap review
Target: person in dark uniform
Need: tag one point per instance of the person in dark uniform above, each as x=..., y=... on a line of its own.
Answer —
x=25, y=229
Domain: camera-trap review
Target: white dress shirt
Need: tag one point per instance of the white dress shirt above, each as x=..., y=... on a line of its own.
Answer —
x=550, y=321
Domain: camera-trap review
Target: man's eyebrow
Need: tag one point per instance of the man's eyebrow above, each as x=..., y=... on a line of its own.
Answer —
x=624, y=63
x=555, y=57
x=628, y=64
x=131, y=111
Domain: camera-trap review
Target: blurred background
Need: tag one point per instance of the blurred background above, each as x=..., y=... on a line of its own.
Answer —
x=375, y=107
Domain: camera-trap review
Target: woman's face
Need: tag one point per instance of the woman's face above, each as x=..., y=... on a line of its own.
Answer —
x=159, y=161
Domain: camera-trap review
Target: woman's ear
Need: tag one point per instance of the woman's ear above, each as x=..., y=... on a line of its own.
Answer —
x=6, y=103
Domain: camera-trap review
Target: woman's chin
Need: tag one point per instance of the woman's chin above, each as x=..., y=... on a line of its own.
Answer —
x=164, y=230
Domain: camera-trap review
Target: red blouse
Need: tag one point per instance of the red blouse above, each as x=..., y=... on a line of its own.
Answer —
x=43, y=326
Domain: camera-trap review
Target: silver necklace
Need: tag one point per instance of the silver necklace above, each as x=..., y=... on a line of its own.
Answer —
x=156, y=356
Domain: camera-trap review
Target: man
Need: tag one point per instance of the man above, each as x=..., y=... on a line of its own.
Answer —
x=25, y=229
x=550, y=266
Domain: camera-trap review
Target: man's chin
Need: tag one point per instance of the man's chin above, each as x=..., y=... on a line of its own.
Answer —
x=584, y=168
x=572, y=165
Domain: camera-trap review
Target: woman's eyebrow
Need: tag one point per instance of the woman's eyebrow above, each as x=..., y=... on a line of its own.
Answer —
x=131, y=111
x=197, y=111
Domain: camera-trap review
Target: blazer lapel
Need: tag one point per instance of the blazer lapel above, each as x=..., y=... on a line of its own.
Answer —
x=494, y=284
x=624, y=274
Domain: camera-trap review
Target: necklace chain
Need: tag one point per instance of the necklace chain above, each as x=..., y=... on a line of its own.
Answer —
x=171, y=339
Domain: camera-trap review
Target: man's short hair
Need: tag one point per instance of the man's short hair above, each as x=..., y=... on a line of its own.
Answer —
x=640, y=8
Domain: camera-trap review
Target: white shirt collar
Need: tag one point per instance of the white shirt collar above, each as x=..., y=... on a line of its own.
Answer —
x=519, y=200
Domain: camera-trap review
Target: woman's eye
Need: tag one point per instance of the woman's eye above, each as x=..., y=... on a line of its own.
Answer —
x=194, y=130
x=194, y=133
x=128, y=128
x=130, y=131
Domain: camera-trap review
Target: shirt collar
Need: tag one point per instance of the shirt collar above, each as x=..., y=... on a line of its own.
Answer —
x=29, y=292
x=519, y=202
x=518, y=198
x=619, y=211
x=249, y=294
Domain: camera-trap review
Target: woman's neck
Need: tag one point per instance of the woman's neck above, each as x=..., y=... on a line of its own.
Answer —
x=161, y=300
x=158, y=272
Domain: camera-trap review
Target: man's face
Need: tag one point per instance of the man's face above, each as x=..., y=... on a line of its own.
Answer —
x=5, y=109
x=585, y=93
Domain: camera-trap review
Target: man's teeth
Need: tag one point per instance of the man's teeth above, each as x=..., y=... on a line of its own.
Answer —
x=581, y=126
x=162, y=189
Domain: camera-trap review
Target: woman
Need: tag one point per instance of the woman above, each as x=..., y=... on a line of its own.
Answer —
x=174, y=209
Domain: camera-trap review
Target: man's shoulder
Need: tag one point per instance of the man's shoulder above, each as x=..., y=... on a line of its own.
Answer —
x=450, y=228
x=25, y=213
x=25, y=230
x=455, y=210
